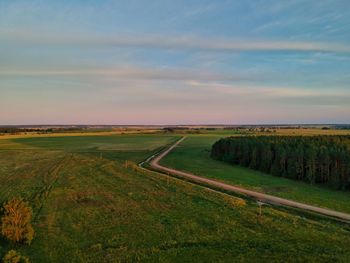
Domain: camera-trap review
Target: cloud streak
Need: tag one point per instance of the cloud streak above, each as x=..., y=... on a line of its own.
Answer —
x=132, y=73
x=172, y=43
x=272, y=93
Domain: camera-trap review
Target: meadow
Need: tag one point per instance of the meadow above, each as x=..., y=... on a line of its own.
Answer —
x=193, y=155
x=89, y=206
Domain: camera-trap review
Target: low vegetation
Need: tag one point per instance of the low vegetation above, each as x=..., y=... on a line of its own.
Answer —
x=16, y=222
x=235, y=202
x=14, y=257
x=93, y=207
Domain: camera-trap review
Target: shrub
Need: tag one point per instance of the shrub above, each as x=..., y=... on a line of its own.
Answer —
x=16, y=221
x=13, y=257
x=131, y=165
x=235, y=202
x=238, y=202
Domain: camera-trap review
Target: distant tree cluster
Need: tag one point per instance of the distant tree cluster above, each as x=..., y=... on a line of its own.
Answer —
x=14, y=131
x=343, y=127
x=19, y=130
x=317, y=159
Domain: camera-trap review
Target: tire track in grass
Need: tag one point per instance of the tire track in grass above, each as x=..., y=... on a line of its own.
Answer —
x=40, y=197
x=9, y=180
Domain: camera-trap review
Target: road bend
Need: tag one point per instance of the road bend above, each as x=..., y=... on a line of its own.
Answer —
x=265, y=198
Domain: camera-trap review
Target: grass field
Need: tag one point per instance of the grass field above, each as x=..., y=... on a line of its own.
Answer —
x=193, y=155
x=88, y=207
x=120, y=147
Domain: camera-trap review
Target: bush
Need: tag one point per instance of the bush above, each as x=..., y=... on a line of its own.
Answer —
x=16, y=222
x=13, y=257
x=131, y=165
x=234, y=201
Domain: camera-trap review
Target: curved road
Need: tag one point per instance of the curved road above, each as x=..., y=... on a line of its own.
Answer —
x=231, y=188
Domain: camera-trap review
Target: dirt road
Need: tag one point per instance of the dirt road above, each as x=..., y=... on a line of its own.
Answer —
x=231, y=188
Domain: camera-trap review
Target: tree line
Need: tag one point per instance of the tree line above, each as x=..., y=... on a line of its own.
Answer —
x=316, y=159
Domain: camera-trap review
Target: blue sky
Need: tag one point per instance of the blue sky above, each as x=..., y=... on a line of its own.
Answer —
x=174, y=62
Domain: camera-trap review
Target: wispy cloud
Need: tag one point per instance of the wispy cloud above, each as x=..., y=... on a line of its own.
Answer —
x=200, y=10
x=133, y=73
x=270, y=92
x=172, y=42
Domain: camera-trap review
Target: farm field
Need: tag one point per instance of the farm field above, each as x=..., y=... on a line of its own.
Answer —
x=193, y=155
x=90, y=207
x=120, y=147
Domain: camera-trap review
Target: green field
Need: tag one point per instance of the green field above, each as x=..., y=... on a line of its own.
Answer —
x=193, y=155
x=88, y=207
x=117, y=147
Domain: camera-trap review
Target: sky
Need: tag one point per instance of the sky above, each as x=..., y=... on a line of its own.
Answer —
x=174, y=62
